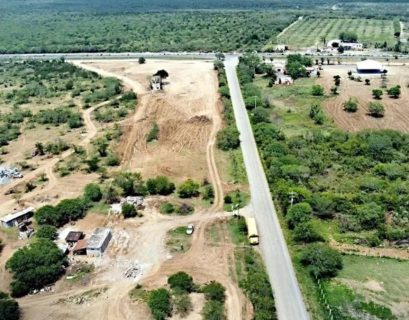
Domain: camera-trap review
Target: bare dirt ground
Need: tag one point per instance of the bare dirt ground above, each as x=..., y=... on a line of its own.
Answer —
x=396, y=110
x=188, y=114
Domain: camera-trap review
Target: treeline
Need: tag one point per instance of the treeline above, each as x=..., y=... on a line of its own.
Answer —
x=171, y=31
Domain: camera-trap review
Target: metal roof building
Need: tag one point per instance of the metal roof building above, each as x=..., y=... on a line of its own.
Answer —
x=99, y=241
x=369, y=66
x=13, y=219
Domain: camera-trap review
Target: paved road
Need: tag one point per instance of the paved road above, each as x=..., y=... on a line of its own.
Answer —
x=288, y=298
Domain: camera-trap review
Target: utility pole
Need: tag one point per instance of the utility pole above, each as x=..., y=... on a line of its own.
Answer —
x=292, y=195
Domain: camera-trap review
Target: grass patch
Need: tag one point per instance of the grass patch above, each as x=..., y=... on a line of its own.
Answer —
x=178, y=241
x=238, y=231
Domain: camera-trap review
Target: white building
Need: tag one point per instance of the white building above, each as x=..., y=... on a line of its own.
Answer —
x=336, y=43
x=13, y=219
x=369, y=67
x=99, y=241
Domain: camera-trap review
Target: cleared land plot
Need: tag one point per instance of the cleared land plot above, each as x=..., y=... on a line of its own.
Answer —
x=396, y=110
x=185, y=112
x=310, y=31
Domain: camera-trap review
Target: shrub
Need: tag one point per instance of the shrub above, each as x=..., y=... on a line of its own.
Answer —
x=305, y=232
x=260, y=115
x=351, y=105
x=153, y=134
x=47, y=232
x=214, y=291
x=213, y=310
x=370, y=215
x=9, y=309
x=208, y=193
x=160, y=185
x=181, y=281
x=228, y=139
x=377, y=94
x=167, y=208
x=376, y=109
x=183, y=304
x=112, y=160
x=92, y=192
x=185, y=209
x=128, y=210
x=35, y=266
x=322, y=261
x=298, y=213
x=159, y=303
x=141, y=60
x=188, y=189
x=317, y=90
x=394, y=92
x=317, y=114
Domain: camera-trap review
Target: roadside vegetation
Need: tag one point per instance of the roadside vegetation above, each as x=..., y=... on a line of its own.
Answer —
x=175, y=298
x=330, y=185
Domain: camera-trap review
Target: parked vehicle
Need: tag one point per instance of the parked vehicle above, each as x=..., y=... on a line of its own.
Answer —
x=252, y=232
x=190, y=228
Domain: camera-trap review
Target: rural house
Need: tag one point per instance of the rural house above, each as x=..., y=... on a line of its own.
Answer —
x=13, y=219
x=369, y=67
x=99, y=241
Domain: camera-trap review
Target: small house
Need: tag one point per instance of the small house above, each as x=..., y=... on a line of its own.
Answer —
x=13, y=219
x=80, y=247
x=99, y=241
x=73, y=237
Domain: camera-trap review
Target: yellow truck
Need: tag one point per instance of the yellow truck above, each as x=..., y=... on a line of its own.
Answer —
x=252, y=231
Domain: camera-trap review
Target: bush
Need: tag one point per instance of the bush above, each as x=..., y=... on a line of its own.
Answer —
x=213, y=310
x=351, y=105
x=228, y=139
x=208, y=193
x=376, y=109
x=35, y=266
x=160, y=185
x=317, y=90
x=128, y=210
x=153, y=134
x=185, y=209
x=214, y=291
x=92, y=192
x=181, y=281
x=298, y=213
x=322, y=261
x=47, y=232
x=167, y=208
x=183, y=304
x=9, y=309
x=305, y=232
x=188, y=189
x=377, y=94
x=159, y=303
x=394, y=92
x=317, y=114
x=112, y=160
x=260, y=115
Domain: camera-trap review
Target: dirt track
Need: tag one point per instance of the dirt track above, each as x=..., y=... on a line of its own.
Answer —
x=190, y=136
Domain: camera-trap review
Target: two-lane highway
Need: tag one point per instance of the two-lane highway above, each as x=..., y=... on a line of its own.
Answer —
x=288, y=298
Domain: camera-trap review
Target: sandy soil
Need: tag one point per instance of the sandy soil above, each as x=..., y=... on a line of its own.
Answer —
x=396, y=110
x=189, y=120
x=186, y=111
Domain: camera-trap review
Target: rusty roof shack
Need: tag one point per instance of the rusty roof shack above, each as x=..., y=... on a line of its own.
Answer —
x=80, y=247
x=74, y=236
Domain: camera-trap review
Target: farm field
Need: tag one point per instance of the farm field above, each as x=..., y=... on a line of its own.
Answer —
x=396, y=112
x=310, y=31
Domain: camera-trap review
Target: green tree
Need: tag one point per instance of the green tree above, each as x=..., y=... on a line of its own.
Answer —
x=141, y=60
x=48, y=215
x=348, y=36
x=160, y=185
x=322, y=261
x=298, y=213
x=92, y=192
x=317, y=90
x=394, y=92
x=128, y=210
x=351, y=105
x=167, y=208
x=181, y=281
x=35, y=266
x=214, y=291
x=228, y=138
x=160, y=304
x=183, y=304
x=101, y=146
x=188, y=189
x=377, y=94
x=305, y=232
x=71, y=209
x=130, y=183
x=47, y=232
x=213, y=310
x=9, y=308
x=376, y=109
x=370, y=215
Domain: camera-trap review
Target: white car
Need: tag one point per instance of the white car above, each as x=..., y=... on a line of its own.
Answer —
x=190, y=228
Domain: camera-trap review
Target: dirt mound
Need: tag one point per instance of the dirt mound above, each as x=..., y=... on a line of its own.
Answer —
x=199, y=120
